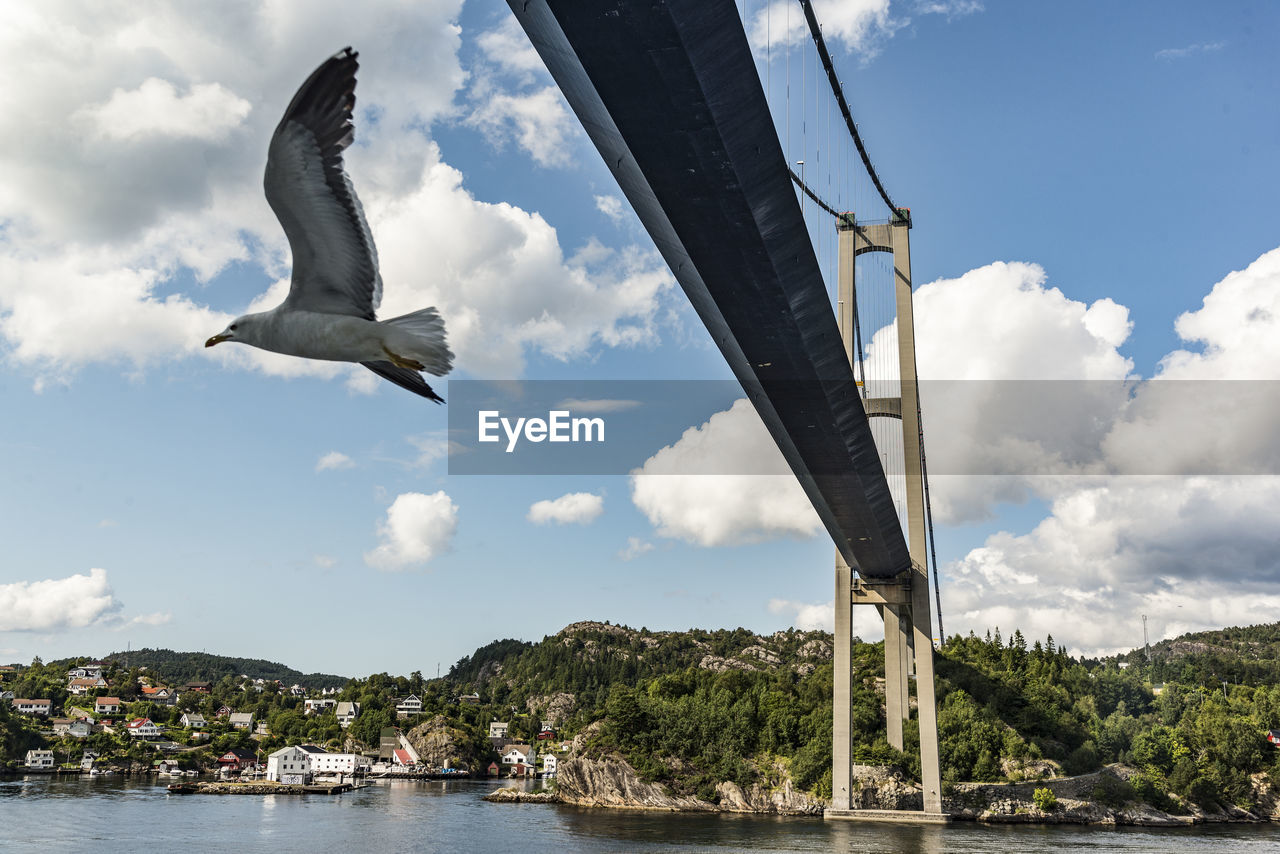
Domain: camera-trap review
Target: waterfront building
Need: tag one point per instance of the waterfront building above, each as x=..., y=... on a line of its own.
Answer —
x=289, y=765
x=339, y=763
x=549, y=763
x=39, y=759
x=518, y=759
x=237, y=759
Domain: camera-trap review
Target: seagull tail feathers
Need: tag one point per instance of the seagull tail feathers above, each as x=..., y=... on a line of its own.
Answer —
x=405, y=378
x=425, y=340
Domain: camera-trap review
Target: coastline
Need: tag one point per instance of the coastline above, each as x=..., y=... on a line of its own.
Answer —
x=614, y=785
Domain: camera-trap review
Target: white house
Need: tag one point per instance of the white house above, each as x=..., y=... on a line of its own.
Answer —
x=498, y=729
x=39, y=758
x=318, y=706
x=347, y=712
x=242, y=720
x=32, y=707
x=409, y=706
x=518, y=754
x=338, y=763
x=143, y=728
x=87, y=671
x=549, y=764
x=289, y=765
x=297, y=691
x=194, y=720
x=107, y=706
x=85, y=684
x=80, y=728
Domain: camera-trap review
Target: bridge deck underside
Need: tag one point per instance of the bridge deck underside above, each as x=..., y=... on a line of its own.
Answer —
x=670, y=96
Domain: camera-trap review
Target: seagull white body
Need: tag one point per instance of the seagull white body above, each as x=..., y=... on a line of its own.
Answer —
x=335, y=291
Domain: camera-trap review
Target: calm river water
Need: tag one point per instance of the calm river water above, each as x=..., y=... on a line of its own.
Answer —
x=117, y=815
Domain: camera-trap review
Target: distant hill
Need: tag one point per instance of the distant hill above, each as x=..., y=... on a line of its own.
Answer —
x=1246, y=655
x=179, y=667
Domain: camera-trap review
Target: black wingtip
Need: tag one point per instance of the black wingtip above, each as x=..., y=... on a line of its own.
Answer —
x=405, y=378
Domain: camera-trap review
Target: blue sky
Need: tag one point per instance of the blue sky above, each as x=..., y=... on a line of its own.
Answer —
x=1081, y=177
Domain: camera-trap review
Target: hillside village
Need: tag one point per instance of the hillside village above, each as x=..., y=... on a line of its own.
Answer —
x=110, y=719
x=1189, y=727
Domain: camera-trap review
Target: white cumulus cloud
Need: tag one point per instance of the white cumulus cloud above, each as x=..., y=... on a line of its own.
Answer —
x=208, y=111
x=723, y=509
x=56, y=603
x=855, y=25
x=575, y=508
x=1190, y=552
x=418, y=527
x=806, y=616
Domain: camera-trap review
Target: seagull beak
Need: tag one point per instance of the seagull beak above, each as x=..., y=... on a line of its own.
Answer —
x=217, y=339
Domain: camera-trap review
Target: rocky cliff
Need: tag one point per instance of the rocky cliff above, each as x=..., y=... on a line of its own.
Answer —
x=614, y=783
x=441, y=744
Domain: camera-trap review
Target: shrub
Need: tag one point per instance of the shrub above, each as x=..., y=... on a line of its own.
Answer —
x=1203, y=793
x=1045, y=800
x=1112, y=791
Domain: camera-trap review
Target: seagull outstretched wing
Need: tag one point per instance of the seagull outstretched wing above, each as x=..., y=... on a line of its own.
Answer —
x=335, y=265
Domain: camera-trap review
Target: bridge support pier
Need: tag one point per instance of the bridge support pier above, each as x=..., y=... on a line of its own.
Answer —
x=903, y=602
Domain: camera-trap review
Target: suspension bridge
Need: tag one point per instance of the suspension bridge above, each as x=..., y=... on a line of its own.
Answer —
x=728, y=130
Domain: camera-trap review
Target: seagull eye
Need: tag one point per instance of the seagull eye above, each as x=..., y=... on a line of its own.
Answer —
x=233, y=327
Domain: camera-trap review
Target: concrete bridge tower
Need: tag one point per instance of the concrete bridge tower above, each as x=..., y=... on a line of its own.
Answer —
x=902, y=602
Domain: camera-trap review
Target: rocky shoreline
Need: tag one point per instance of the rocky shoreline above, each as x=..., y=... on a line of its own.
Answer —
x=614, y=784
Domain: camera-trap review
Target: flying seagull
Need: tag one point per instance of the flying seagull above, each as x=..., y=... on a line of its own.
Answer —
x=336, y=288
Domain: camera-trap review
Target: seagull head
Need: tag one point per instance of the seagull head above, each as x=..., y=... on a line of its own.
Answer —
x=240, y=329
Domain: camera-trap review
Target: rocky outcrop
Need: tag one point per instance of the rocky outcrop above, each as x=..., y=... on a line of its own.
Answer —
x=552, y=707
x=719, y=664
x=882, y=787
x=614, y=783
x=442, y=745
x=520, y=796
x=1014, y=803
x=1030, y=769
x=817, y=648
x=785, y=800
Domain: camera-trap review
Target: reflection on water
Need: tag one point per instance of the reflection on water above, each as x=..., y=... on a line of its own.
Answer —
x=125, y=815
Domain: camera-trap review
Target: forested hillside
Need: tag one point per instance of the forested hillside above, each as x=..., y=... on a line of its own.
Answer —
x=695, y=708
x=692, y=708
x=181, y=667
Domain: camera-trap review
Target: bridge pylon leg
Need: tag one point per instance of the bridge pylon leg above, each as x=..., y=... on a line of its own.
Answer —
x=904, y=601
